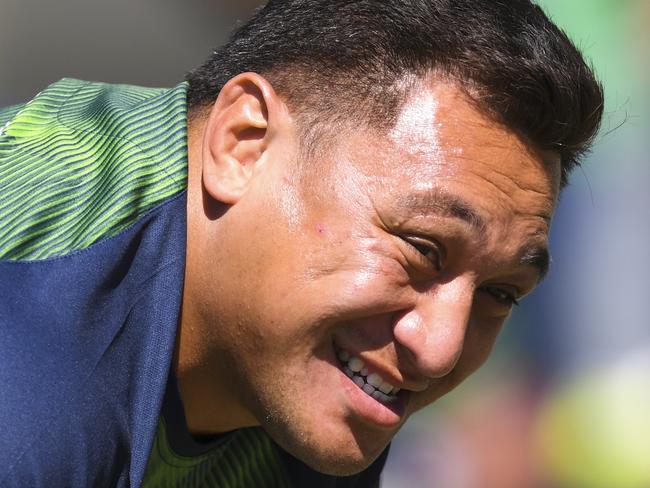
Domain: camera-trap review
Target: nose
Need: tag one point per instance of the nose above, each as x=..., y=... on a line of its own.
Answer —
x=431, y=334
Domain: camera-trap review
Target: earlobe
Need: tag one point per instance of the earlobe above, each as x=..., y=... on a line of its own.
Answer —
x=236, y=136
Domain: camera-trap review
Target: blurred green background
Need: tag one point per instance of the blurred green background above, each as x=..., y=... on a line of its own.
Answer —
x=565, y=400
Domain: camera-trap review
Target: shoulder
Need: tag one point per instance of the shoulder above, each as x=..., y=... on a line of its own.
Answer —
x=91, y=269
x=8, y=113
x=82, y=161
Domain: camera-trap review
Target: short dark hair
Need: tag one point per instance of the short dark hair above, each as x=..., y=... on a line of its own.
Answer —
x=333, y=60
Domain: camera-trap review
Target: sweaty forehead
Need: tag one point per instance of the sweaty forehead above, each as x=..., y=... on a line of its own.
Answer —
x=445, y=157
x=441, y=139
x=441, y=131
x=418, y=125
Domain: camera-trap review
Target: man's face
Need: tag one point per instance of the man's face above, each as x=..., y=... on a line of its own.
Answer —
x=390, y=262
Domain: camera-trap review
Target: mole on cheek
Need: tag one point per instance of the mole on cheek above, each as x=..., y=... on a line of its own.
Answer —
x=321, y=229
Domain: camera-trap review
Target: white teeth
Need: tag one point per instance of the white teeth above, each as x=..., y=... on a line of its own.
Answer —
x=385, y=398
x=375, y=380
x=373, y=384
x=344, y=355
x=356, y=364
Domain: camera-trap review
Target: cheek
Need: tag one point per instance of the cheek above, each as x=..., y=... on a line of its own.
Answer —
x=350, y=265
x=479, y=341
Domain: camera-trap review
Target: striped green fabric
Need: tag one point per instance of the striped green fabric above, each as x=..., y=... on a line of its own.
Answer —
x=245, y=459
x=8, y=113
x=82, y=161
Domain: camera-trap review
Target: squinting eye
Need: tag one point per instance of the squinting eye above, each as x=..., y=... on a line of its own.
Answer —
x=502, y=296
x=428, y=250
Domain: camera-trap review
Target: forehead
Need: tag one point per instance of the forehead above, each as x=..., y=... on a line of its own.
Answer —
x=440, y=139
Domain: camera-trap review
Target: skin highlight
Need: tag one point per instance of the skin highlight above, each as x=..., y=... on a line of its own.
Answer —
x=406, y=251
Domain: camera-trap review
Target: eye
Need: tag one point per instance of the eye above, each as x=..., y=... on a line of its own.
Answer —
x=428, y=250
x=501, y=295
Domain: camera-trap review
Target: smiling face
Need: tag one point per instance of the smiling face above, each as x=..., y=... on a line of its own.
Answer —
x=374, y=280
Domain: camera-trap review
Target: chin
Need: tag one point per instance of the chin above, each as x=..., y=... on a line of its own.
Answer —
x=333, y=463
x=344, y=455
x=319, y=416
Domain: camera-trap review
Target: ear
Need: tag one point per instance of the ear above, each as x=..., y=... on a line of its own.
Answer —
x=237, y=134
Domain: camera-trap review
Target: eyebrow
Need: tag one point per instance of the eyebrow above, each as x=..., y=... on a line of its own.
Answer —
x=538, y=257
x=441, y=203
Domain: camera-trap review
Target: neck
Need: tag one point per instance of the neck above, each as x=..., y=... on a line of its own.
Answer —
x=205, y=388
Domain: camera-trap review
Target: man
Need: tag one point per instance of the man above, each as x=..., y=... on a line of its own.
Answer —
x=262, y=292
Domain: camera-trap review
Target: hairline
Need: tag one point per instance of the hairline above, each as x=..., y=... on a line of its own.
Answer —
x=316, y=128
